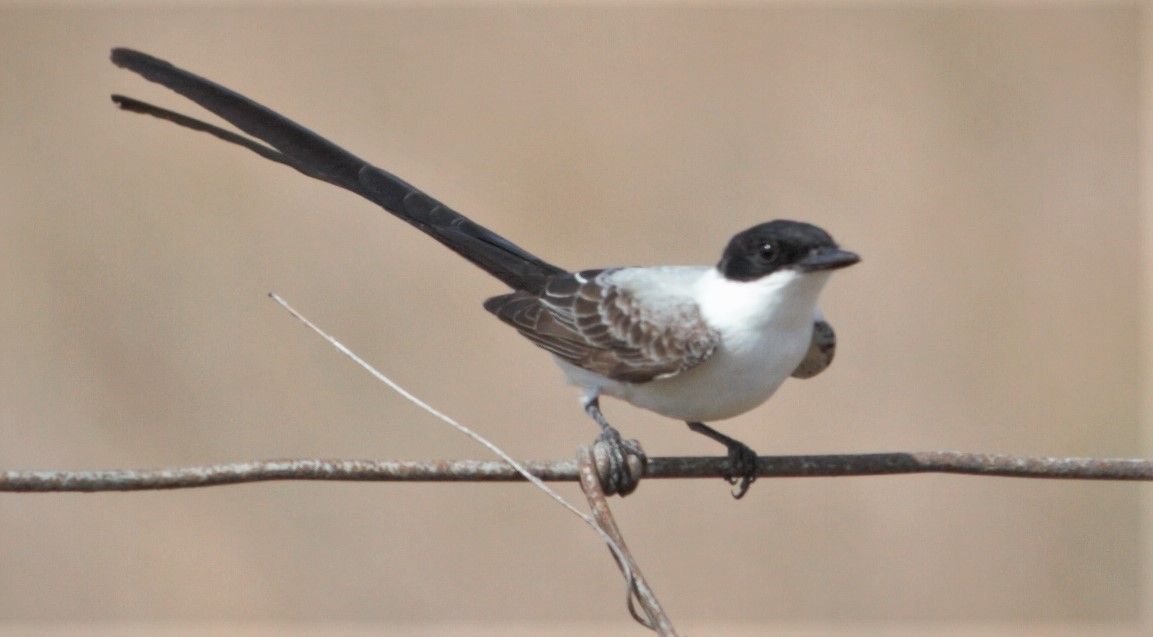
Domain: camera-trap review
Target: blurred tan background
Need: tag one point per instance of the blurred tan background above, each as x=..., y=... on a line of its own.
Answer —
x=984, y=160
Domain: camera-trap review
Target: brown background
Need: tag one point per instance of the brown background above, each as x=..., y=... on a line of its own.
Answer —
x=983, y=160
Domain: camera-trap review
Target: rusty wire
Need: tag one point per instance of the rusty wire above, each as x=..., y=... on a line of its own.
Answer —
x=567, y=470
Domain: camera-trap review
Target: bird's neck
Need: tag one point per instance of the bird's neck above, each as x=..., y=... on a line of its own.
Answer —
x=780, y=301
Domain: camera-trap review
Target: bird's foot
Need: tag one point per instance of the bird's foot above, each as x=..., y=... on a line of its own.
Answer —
x=620, y=462
x=742, y=469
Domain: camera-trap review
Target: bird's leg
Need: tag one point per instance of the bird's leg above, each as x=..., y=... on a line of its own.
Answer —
x=742, y=460
x=625, y=458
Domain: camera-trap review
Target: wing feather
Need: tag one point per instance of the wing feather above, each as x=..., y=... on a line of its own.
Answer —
x=592, y=320
x=821, y=351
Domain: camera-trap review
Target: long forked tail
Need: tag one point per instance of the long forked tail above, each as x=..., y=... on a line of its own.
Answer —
x=291, y=144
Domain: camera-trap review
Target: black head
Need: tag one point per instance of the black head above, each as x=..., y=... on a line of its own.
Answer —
x=781, y=245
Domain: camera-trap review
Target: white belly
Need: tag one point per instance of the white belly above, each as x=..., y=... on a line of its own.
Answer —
x=734, y=380
x=726, y=385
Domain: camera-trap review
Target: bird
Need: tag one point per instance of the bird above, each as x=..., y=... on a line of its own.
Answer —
x=692, y=343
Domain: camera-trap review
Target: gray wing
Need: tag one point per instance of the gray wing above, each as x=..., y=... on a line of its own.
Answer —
x=587, y=319
x=821, y=351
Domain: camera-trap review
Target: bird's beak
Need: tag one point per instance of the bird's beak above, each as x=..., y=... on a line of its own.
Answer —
x=827, y=259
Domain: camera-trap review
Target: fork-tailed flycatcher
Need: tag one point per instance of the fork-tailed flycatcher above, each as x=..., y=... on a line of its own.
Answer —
x=695, y=343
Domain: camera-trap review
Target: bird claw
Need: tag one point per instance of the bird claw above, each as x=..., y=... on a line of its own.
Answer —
x=620, y=462
x=742, y=471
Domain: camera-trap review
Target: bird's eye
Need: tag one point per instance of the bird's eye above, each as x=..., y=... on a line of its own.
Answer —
x=767, y=251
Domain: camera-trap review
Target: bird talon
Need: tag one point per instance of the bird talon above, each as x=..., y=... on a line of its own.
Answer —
x=620, y=462
x=740, y=486
x=742, y=469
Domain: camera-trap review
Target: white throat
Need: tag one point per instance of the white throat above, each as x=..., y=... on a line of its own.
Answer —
x=784, y=300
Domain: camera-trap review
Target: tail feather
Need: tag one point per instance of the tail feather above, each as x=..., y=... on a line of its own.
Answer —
x=315, y=156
